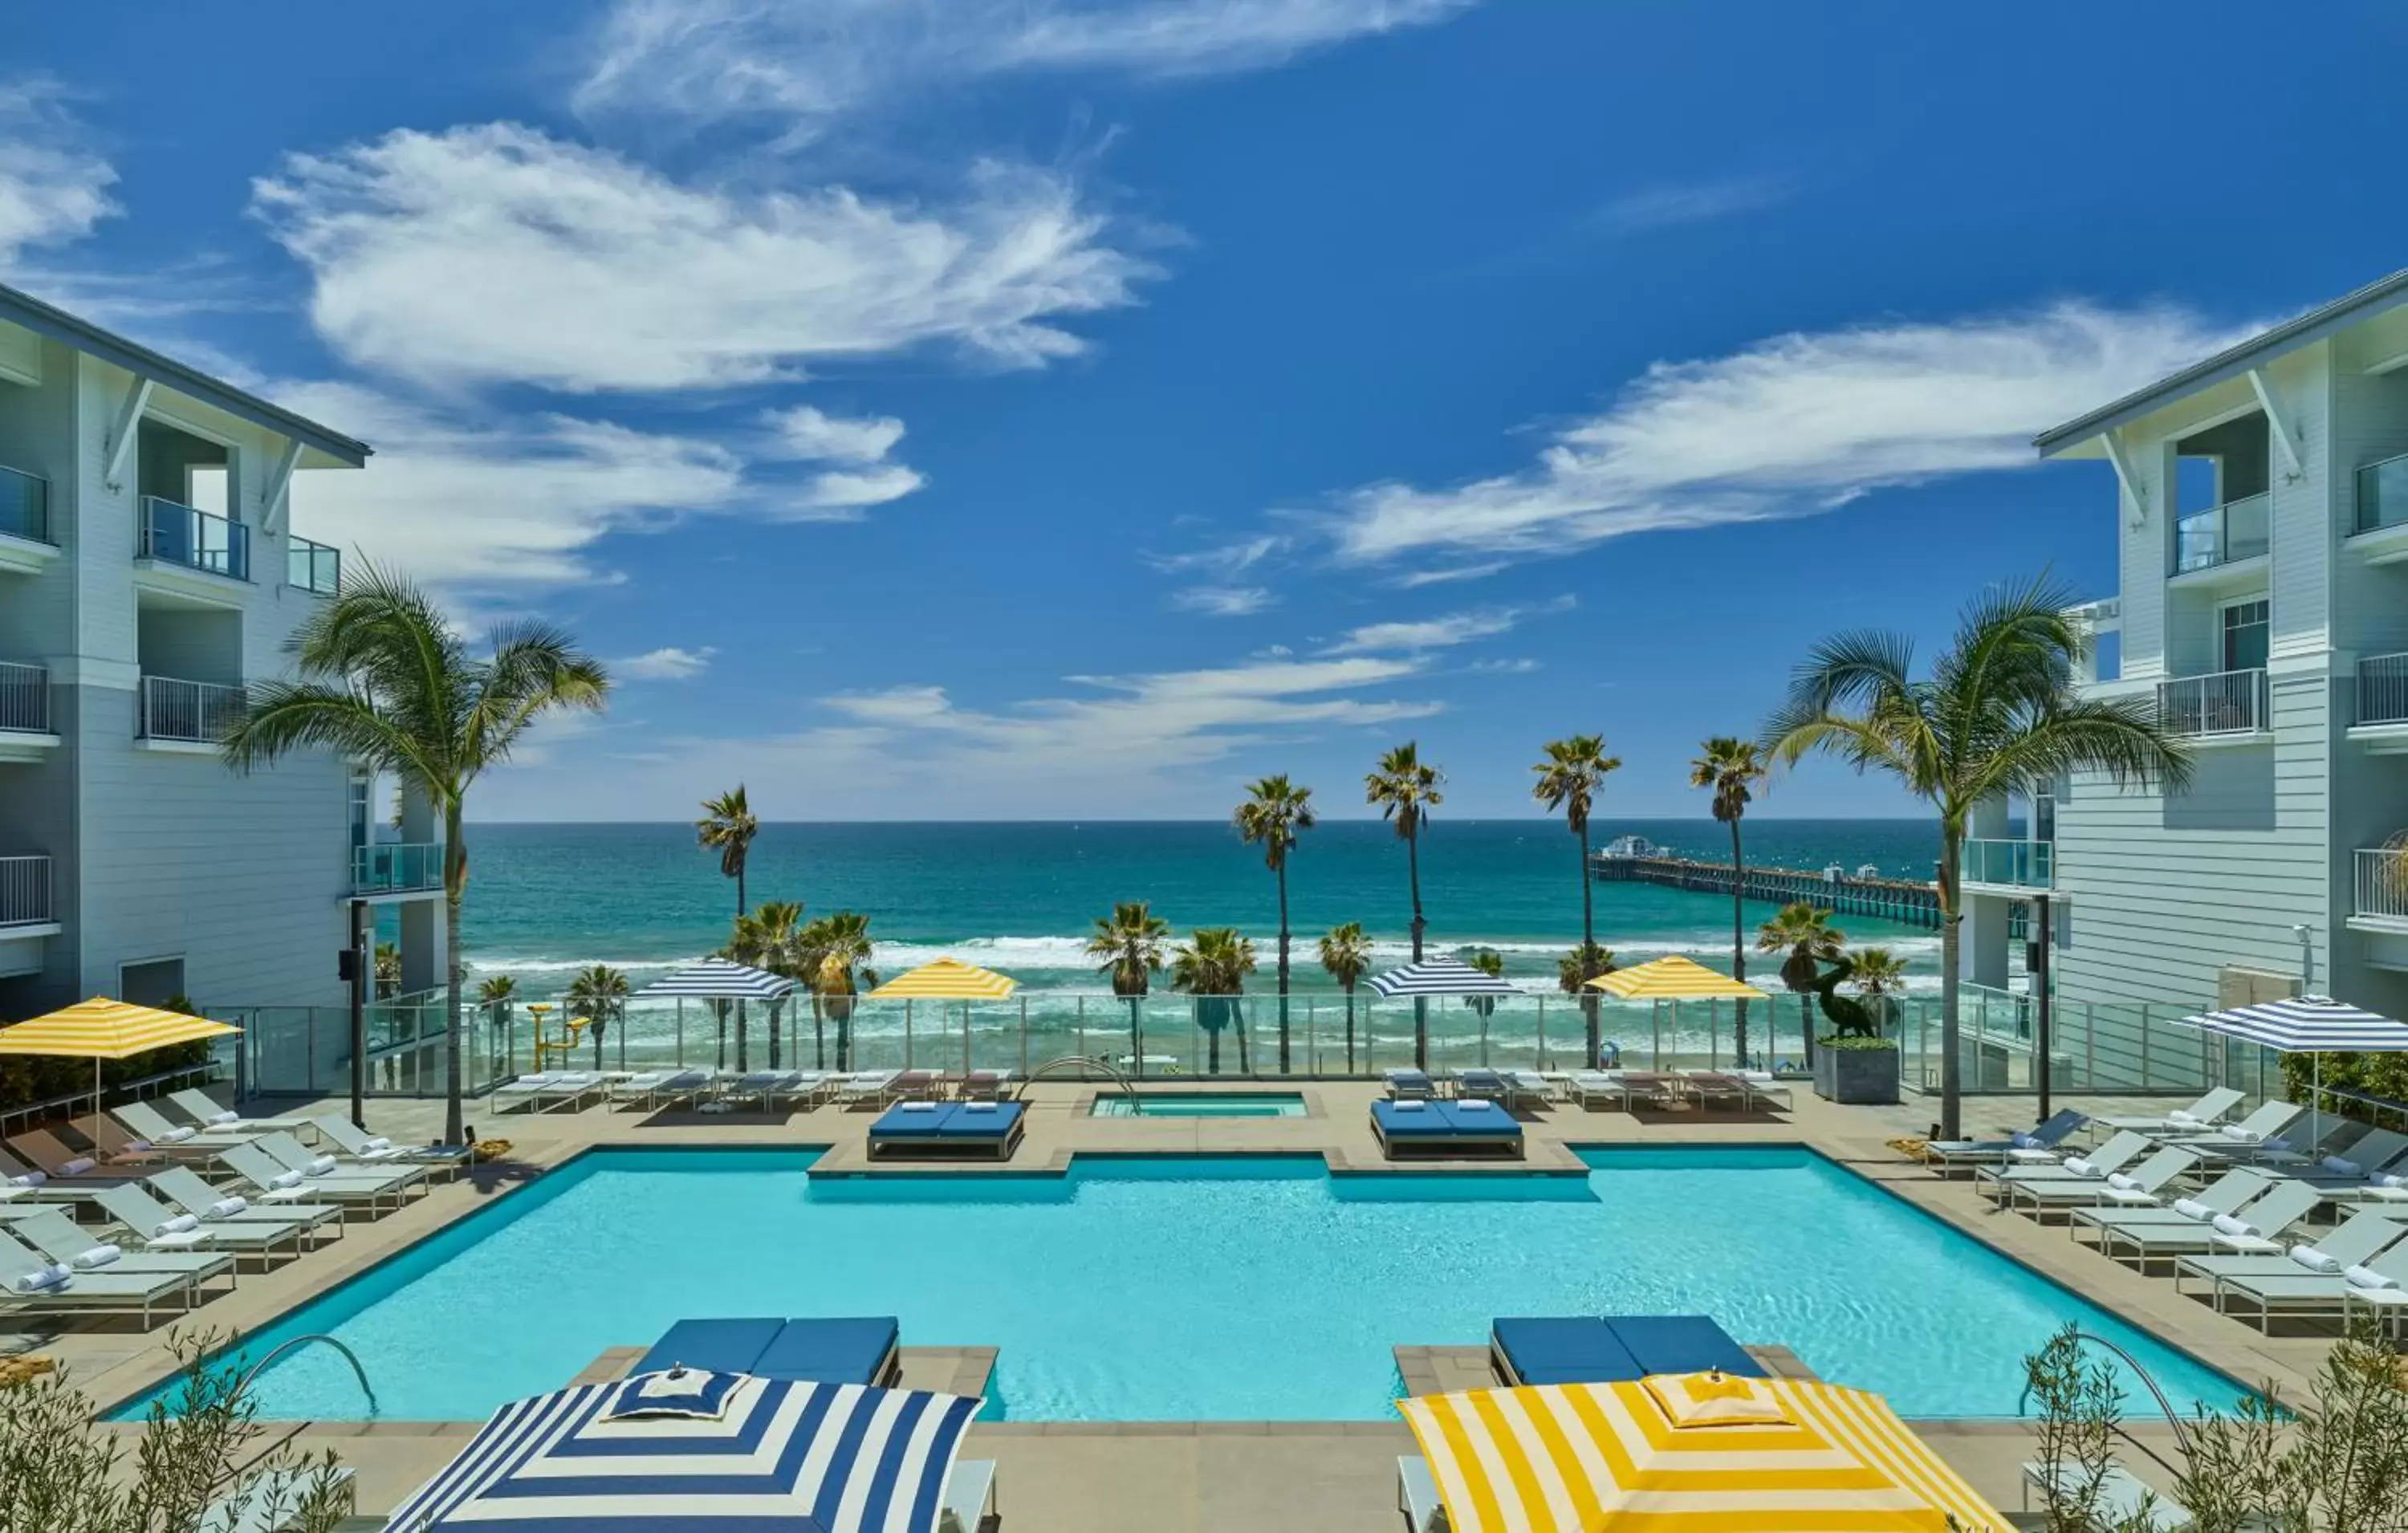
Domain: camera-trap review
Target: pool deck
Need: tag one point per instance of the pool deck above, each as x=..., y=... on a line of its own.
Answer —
x=1074, y=1477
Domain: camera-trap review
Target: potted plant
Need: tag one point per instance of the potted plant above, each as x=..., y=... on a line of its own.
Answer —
x=1856, y=1068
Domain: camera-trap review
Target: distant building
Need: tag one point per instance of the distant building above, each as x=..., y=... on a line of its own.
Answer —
x=148, y=574
x=2262, y=509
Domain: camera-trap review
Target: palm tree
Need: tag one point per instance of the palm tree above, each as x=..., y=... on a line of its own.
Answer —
x=1212, y=964
x=1998, y=712
x=771, y=938
x=1573, y=972
x=1732, y=768
x=1805, y=935
x=1406, y=791
x=601, y=993
x=385, y=682
x=1273, y=812
x=1568, y=781
x=1490, y=962
x=1346, y=953
x=1130, y=941
x=810, y=946
x=498, y=998
x=388, y=970
x=843, y=973
x=728, y=826
x=1880, y=977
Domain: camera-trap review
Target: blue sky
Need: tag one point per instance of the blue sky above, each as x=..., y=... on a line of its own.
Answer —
x=997, y=409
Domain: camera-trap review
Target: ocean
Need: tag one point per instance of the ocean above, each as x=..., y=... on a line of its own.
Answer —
x=547, y=900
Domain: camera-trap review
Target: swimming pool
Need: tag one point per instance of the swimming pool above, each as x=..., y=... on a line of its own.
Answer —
x=1198, y=1104
x=1180, y=1288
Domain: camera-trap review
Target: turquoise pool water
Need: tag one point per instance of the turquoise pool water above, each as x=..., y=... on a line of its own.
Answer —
x=1200, y=1104
x=1159, y=1288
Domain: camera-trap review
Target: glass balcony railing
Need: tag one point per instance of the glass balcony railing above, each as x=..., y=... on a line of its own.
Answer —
x=179, y=535
x=2221, y=534
x=391, y=866
x=24, y=697
x=313, y=566
x=24, y=505
x=195, y=712
x=2383, y=494
x=2223, y=703
x=2026, y=864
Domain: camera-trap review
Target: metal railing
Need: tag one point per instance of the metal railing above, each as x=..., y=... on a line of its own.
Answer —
x=2381, y=885
x=25, y=891
x=2220, y=703
x=25, y=504
x=313, y=566
x=2383, y=494
x=2222, y=534
x=2383, y=689
x=2030, y=864
x=391, y=866
x=24, y=697
x=180, y=535
x=175, y=710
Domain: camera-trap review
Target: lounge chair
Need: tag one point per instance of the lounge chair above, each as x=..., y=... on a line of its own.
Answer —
x=1766, y=1088
x=2375, y=1171
x=42, y=1149
x=316, y=1168
x=871, y=1086
x=1450, y=1130
x=355, y=1145
x=1590, y=1087
x=2115, y=1155
x=1654, y=1088
x=182, y=1187
x=1410, y=1085
x=843, y=1350
x=61, y=1240
x=2036, y=1145
x=270, y=1181
x=1480, y=1083
x=2254, y=1135
x=2273, y=1208
x=2354, y=1242
x=2200, y=1115
x=160, y=1228
x=2153, y=1175
x=22, y=1184
x=525, y=1090
x=1527, y=1088
x=1417, y=1495
x=987, y=1085
x=761, y=1088
x=1588, y=1349
x=39, y=1285
x=2315, y=1294
x=916, y=1086
x=169, y=1138
x=948, y=1130
x=113, y=1143
x=570, y=1089
x=2226, y=1194
x=2119, y=1500
x=654, y=1089
x=207, y=1111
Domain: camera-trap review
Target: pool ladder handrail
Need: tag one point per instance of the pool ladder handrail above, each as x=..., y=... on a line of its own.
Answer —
x=1085, y=1062
x=2173, y=1418
x=243, y=1386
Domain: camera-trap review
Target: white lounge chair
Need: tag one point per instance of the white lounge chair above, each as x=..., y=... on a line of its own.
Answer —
x=270, y=1181
x=2225, y=1195
x=182, y=1187
x=525, y=1090
x=2276, y=1207
x=2257, y=1134
x=38, y=1285
x=316, y=1166
x=1590, y=1087
x=61, y=1240
x=169, y=1138
x=2315, y=1294
x=353, y=1144
x=207, y=1111
x=2153, y=1175
x=2201, y=1115
x=2372, y=1170
x=2357, y=1240
x=2124, y=1149
x=867, y=1087
x=654, y=1089
x=160, y=1228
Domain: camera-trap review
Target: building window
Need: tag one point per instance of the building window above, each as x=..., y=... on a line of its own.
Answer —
x=2246, y=631
x=152, y=983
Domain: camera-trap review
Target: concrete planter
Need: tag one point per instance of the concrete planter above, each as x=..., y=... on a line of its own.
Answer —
x=1859, y=1077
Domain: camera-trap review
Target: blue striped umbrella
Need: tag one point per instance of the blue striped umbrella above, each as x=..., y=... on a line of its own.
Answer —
x=2311, y=1024
x=779, y=1456
x=720, y=980
x=1439, y=976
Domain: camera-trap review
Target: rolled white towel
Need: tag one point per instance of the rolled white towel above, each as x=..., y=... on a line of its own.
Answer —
x=370, y=1147
x=2191, y=1208
x=2388, y=1178
x=177, y=1225
x=2366, y=1277
x=2239, y=1135
x=2238, y=1228
x=2314, y=1260
x=29, y=1179
x=2186, y=1119
x=177, y=1135
x=2341, y=1166
x=134, y=1147
x=79, y=1166
x=2080, y=1167
x=99, y=1256
x=1407, y=1107
x=285, y=1180
x=919, y=1106
x=2121, y=1182
x=2024, y=1141
x=323, y=1166
x=1473, y=1106
x=220, y=1119
x=227, y=1208
x=40, y=1280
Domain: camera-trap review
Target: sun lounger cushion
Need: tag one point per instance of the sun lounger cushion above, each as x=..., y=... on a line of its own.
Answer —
x=1683, y=1344
x=1564, y=1350
x=1415, y=1121
x=847, y=1351
x=719, y=1346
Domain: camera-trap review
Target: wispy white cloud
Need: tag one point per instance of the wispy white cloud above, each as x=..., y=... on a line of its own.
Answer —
x=1225, y=560
x=860, y=446
x=1694, y=202
x=671, y=663
x=1223, y=601
x=1439, y=633
x=1521, y=666
x=808, y=63
x=495, y=252
x=814, y=433
x=1790, y=427
x=53, y=182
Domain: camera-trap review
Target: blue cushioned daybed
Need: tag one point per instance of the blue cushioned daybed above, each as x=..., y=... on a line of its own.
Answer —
x=853, y=1349
x=947, y=1130
x=1591, y=1350
x=1447, y=1130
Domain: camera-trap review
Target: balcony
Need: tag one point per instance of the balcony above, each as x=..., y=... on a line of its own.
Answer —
x=2225, y=704
x=2383, y=690
x=313, y=566
x=2022, y=865
x=186, y=714
x=174, y=534
x=2382, y=890
x=25, y=543
x=24, y=711
x=2379, y=533
x=394, y=867
x=2222, y=535
x=25, y=892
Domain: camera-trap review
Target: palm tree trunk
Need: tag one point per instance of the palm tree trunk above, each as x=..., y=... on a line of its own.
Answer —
x=741, y=1066
x=777, y=1026
x=819, y=1033
x=1588, y=949
x=1282, y=967
x=1350, y=1029
x=1137, y=1039
x=740, y=892
x=1420, y=1003
x=455, y=889
x=1237, y=1019
x=1739, y=940
x=1952, y=838
x=1211, y=1038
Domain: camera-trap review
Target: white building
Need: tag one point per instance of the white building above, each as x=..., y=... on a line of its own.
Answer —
x=146, y=574
x=2262, y=506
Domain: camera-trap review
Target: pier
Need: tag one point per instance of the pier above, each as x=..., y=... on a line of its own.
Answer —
x=1907, y=903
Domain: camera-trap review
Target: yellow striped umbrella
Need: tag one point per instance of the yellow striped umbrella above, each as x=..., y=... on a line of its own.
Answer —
x=1673, y=978
x=947, y=980
x=100, y=1028
x=1686, y=1453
